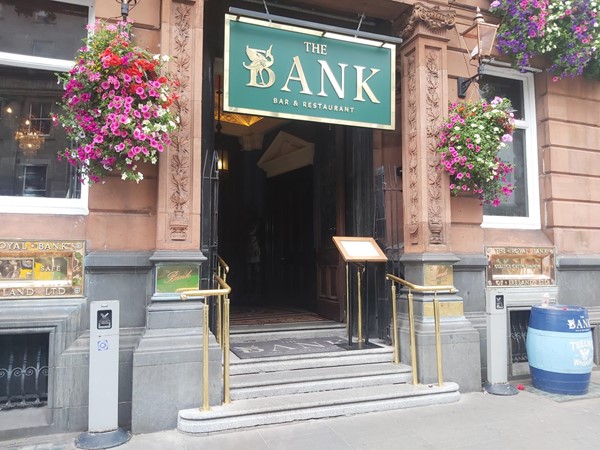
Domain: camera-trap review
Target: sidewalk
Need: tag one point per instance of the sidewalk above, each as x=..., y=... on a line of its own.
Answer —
x=532, y=419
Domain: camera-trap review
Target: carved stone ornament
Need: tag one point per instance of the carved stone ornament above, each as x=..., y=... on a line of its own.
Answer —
x=413, y=162
x=434, y=18
x=434, y=177
x=179, y=155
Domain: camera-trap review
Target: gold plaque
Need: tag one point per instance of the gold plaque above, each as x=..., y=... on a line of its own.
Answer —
x=41, y=269
x=520, y=266
x=439, y=275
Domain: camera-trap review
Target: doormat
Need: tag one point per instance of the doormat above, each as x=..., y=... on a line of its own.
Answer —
x=593, y=392
x=293, y=346
x=270, y=315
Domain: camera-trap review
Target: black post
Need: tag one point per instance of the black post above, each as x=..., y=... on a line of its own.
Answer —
x=124, y=9
x=367, y=290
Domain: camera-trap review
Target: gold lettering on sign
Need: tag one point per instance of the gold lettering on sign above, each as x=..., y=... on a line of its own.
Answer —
x=520, y=266
x=45, y=269
x=175, y=276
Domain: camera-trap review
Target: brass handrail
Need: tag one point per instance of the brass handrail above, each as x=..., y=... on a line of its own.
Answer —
x=221, y=294
x=223, y=266
x=417, y=288
x=222, y=271
x=411, y=322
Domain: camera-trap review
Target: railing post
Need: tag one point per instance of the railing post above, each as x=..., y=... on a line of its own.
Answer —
x=226, y=398
x=395, y=326
x=348, y=325
x=205, y=394
x=438, y=338
x=413, y=344
x=219, y=330
x=359, y=301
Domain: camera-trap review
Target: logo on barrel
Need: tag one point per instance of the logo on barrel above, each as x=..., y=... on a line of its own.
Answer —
x=584, y=347
x=579, y=324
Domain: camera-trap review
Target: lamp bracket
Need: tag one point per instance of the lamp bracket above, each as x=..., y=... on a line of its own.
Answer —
x=463, y=85
x=126, y=6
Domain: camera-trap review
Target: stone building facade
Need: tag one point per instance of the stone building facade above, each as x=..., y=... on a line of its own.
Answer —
x=169, y=218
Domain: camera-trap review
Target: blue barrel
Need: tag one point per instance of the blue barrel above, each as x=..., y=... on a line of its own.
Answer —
x=560, y=349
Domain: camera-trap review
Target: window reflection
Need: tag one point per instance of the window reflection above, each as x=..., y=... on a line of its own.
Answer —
x=29, y=142
x=516, y=205
x=42, y=28
x=491, y=86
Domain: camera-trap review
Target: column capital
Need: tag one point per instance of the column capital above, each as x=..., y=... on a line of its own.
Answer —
x=431, y=18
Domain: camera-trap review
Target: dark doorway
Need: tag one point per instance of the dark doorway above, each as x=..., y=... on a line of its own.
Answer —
x=276, y=232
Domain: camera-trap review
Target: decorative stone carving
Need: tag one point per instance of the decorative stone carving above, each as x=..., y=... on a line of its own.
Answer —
x=413, y=164
x=434, y=18
x=434, y=178
x=179, y=154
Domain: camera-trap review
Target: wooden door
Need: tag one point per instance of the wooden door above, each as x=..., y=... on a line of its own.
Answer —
x=289, y=239
x=329, y=220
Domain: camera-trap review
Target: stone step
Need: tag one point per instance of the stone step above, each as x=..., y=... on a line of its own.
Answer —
x=313, y=405
x=249, y=333
x=318, y=379
x=311, y=360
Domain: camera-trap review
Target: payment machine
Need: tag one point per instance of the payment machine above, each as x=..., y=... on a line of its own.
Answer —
x=104, y=431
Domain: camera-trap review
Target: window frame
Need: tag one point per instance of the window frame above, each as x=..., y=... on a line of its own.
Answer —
x=45, y=205
x=533, y=220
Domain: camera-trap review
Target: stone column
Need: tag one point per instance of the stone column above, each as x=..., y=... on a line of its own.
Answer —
x=427, y=258
x=167, y=364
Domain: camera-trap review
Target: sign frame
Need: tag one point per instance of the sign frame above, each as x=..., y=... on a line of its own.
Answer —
x=359, y=249
x=41, y=268
x=317, y=35
x=171, y=276
x=520, y=266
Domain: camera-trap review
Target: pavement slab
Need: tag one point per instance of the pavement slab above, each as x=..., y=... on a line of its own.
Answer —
x=530, y=420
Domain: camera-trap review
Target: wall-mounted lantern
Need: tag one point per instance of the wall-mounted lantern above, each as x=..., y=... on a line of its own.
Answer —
x=479, y=39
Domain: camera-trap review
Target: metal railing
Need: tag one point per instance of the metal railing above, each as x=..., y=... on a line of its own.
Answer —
x=411, y=323
x=222, y=271
x=222, y=329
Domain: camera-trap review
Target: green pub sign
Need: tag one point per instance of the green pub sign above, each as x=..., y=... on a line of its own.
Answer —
x=170, y=277
x=284, y=71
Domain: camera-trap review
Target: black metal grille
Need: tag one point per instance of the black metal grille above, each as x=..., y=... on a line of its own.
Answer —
x=23, y=370
x=519, y=320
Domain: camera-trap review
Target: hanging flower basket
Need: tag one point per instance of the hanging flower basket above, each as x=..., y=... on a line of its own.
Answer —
x=469, y=142
x=565, y=31
x=115, y=108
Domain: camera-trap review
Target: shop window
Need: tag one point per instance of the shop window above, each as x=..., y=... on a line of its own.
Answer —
x=522, y=208
x=39, y=39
